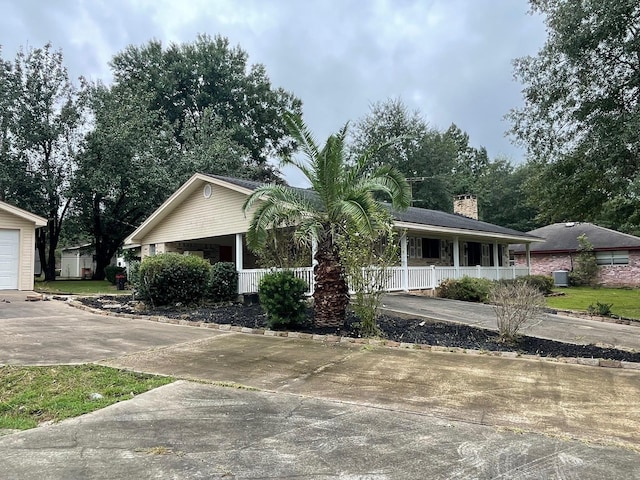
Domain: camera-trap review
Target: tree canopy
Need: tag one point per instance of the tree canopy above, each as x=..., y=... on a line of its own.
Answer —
x=581, y=113
x=41, y=115
x=208, y=80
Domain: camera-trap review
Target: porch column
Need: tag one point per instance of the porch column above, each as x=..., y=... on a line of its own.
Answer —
x=404, y=261
x=456, y=256
x=496, y=260
x=528, y=250
x=239, y=252
x=314, y=250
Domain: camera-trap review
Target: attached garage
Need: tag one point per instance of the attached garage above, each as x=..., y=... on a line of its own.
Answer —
x=17, y=247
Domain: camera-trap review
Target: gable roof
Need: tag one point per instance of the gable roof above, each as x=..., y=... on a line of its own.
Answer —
x=563, y=238
x=18, y=212
x=413, y=218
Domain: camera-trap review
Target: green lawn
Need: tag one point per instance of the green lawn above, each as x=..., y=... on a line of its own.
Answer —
x=626, y=301
x=32, y=395
x=78, y=287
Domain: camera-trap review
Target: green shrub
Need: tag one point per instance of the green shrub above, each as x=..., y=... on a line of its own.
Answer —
x=542, y=283
x=282, y=297
x=110, y=272
x=171, y=278
x=467, y=289
x=134, y=274
x=223, y=285
x=602, y=309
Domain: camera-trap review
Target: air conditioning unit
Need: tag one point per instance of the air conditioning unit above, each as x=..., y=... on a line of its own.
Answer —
x=561, y=278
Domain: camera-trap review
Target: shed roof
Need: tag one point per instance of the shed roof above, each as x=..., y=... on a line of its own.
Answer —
x=563, y=238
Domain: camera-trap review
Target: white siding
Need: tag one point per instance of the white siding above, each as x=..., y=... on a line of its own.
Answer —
x=27, y=243
x=200, y=217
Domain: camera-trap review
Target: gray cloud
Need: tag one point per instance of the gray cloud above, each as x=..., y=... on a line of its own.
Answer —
x=450, y=59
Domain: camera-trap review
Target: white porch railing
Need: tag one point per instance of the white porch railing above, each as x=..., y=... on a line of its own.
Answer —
x=419, y=278
x=248, y=280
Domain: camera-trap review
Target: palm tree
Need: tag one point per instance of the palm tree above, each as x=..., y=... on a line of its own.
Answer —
x=342, y=197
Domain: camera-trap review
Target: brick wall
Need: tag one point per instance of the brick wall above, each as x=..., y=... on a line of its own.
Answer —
x=608, y=275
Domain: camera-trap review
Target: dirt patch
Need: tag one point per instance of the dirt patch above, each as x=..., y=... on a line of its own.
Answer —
x=412, y=330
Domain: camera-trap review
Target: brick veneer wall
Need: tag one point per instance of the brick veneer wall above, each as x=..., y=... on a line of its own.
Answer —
x=608, y=275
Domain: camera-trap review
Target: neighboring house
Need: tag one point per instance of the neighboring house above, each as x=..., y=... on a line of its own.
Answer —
x=78, y=261
x=204, y=217
x=17, y=247
x=618, y=254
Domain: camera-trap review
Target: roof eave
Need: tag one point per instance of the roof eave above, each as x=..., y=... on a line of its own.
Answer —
x=31, y=217
x=467, y=233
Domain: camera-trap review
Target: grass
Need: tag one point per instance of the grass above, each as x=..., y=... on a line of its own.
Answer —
x=78, y=287
x=626, y=301
x=32, y=395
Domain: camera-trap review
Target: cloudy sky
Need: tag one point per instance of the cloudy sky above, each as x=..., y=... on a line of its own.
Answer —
x=450, y=59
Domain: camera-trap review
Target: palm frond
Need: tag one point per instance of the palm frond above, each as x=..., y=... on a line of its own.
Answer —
x=302, y=135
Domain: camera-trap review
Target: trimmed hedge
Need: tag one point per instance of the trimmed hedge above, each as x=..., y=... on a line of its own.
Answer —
x=223, y=284
x=467, y=289
x=282, y=297
x=170, y=278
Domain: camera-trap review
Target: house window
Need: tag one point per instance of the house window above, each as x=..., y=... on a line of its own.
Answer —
x=431, y=248
x=617, y=257
x=152, y=249
x=415, y=247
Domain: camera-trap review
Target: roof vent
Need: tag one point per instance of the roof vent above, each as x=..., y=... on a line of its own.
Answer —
x=570, y=224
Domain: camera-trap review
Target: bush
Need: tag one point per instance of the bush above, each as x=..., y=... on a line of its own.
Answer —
x=110, y=272
x=134, y=274
x=516, y=304
x=282, y=298
x=223, y=284
x=543, y=283
x=467, y=289
x=171, y=278
x=602, y=309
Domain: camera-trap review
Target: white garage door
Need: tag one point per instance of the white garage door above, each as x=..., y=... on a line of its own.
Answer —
x=9, y=261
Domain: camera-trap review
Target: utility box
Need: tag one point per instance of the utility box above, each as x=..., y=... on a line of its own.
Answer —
x=561, y=278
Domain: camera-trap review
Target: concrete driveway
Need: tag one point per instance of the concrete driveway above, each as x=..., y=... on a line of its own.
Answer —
x=52, y=332
x=317, y=410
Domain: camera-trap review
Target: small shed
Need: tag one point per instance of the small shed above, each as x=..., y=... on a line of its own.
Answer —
x=77, y=262
x=17, y=247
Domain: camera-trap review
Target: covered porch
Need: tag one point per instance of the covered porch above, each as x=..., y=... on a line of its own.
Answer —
x=426, y=260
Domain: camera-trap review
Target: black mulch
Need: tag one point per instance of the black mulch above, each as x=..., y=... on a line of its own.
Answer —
x=393, y=328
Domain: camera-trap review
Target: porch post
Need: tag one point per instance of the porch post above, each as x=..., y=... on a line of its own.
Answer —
x=404, y=261
x=528, y=250
x=496, y=260
x=456, y=256
x=239, y=252
x=314, y=250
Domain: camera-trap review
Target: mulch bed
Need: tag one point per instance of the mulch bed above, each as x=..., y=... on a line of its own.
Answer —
x=393, y=328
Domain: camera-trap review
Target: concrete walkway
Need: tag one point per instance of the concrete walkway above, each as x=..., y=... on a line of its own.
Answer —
x=550, y=326
x=316, y=410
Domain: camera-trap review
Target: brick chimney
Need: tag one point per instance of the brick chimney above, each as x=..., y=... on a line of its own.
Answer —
x=466, y=205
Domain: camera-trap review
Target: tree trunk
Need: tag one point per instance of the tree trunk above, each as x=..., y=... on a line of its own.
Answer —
x=331, y=295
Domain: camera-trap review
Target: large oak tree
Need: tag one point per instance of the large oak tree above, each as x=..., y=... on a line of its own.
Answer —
x=581, y=115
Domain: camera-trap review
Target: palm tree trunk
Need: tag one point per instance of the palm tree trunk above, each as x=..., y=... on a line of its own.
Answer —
x=331, y=294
